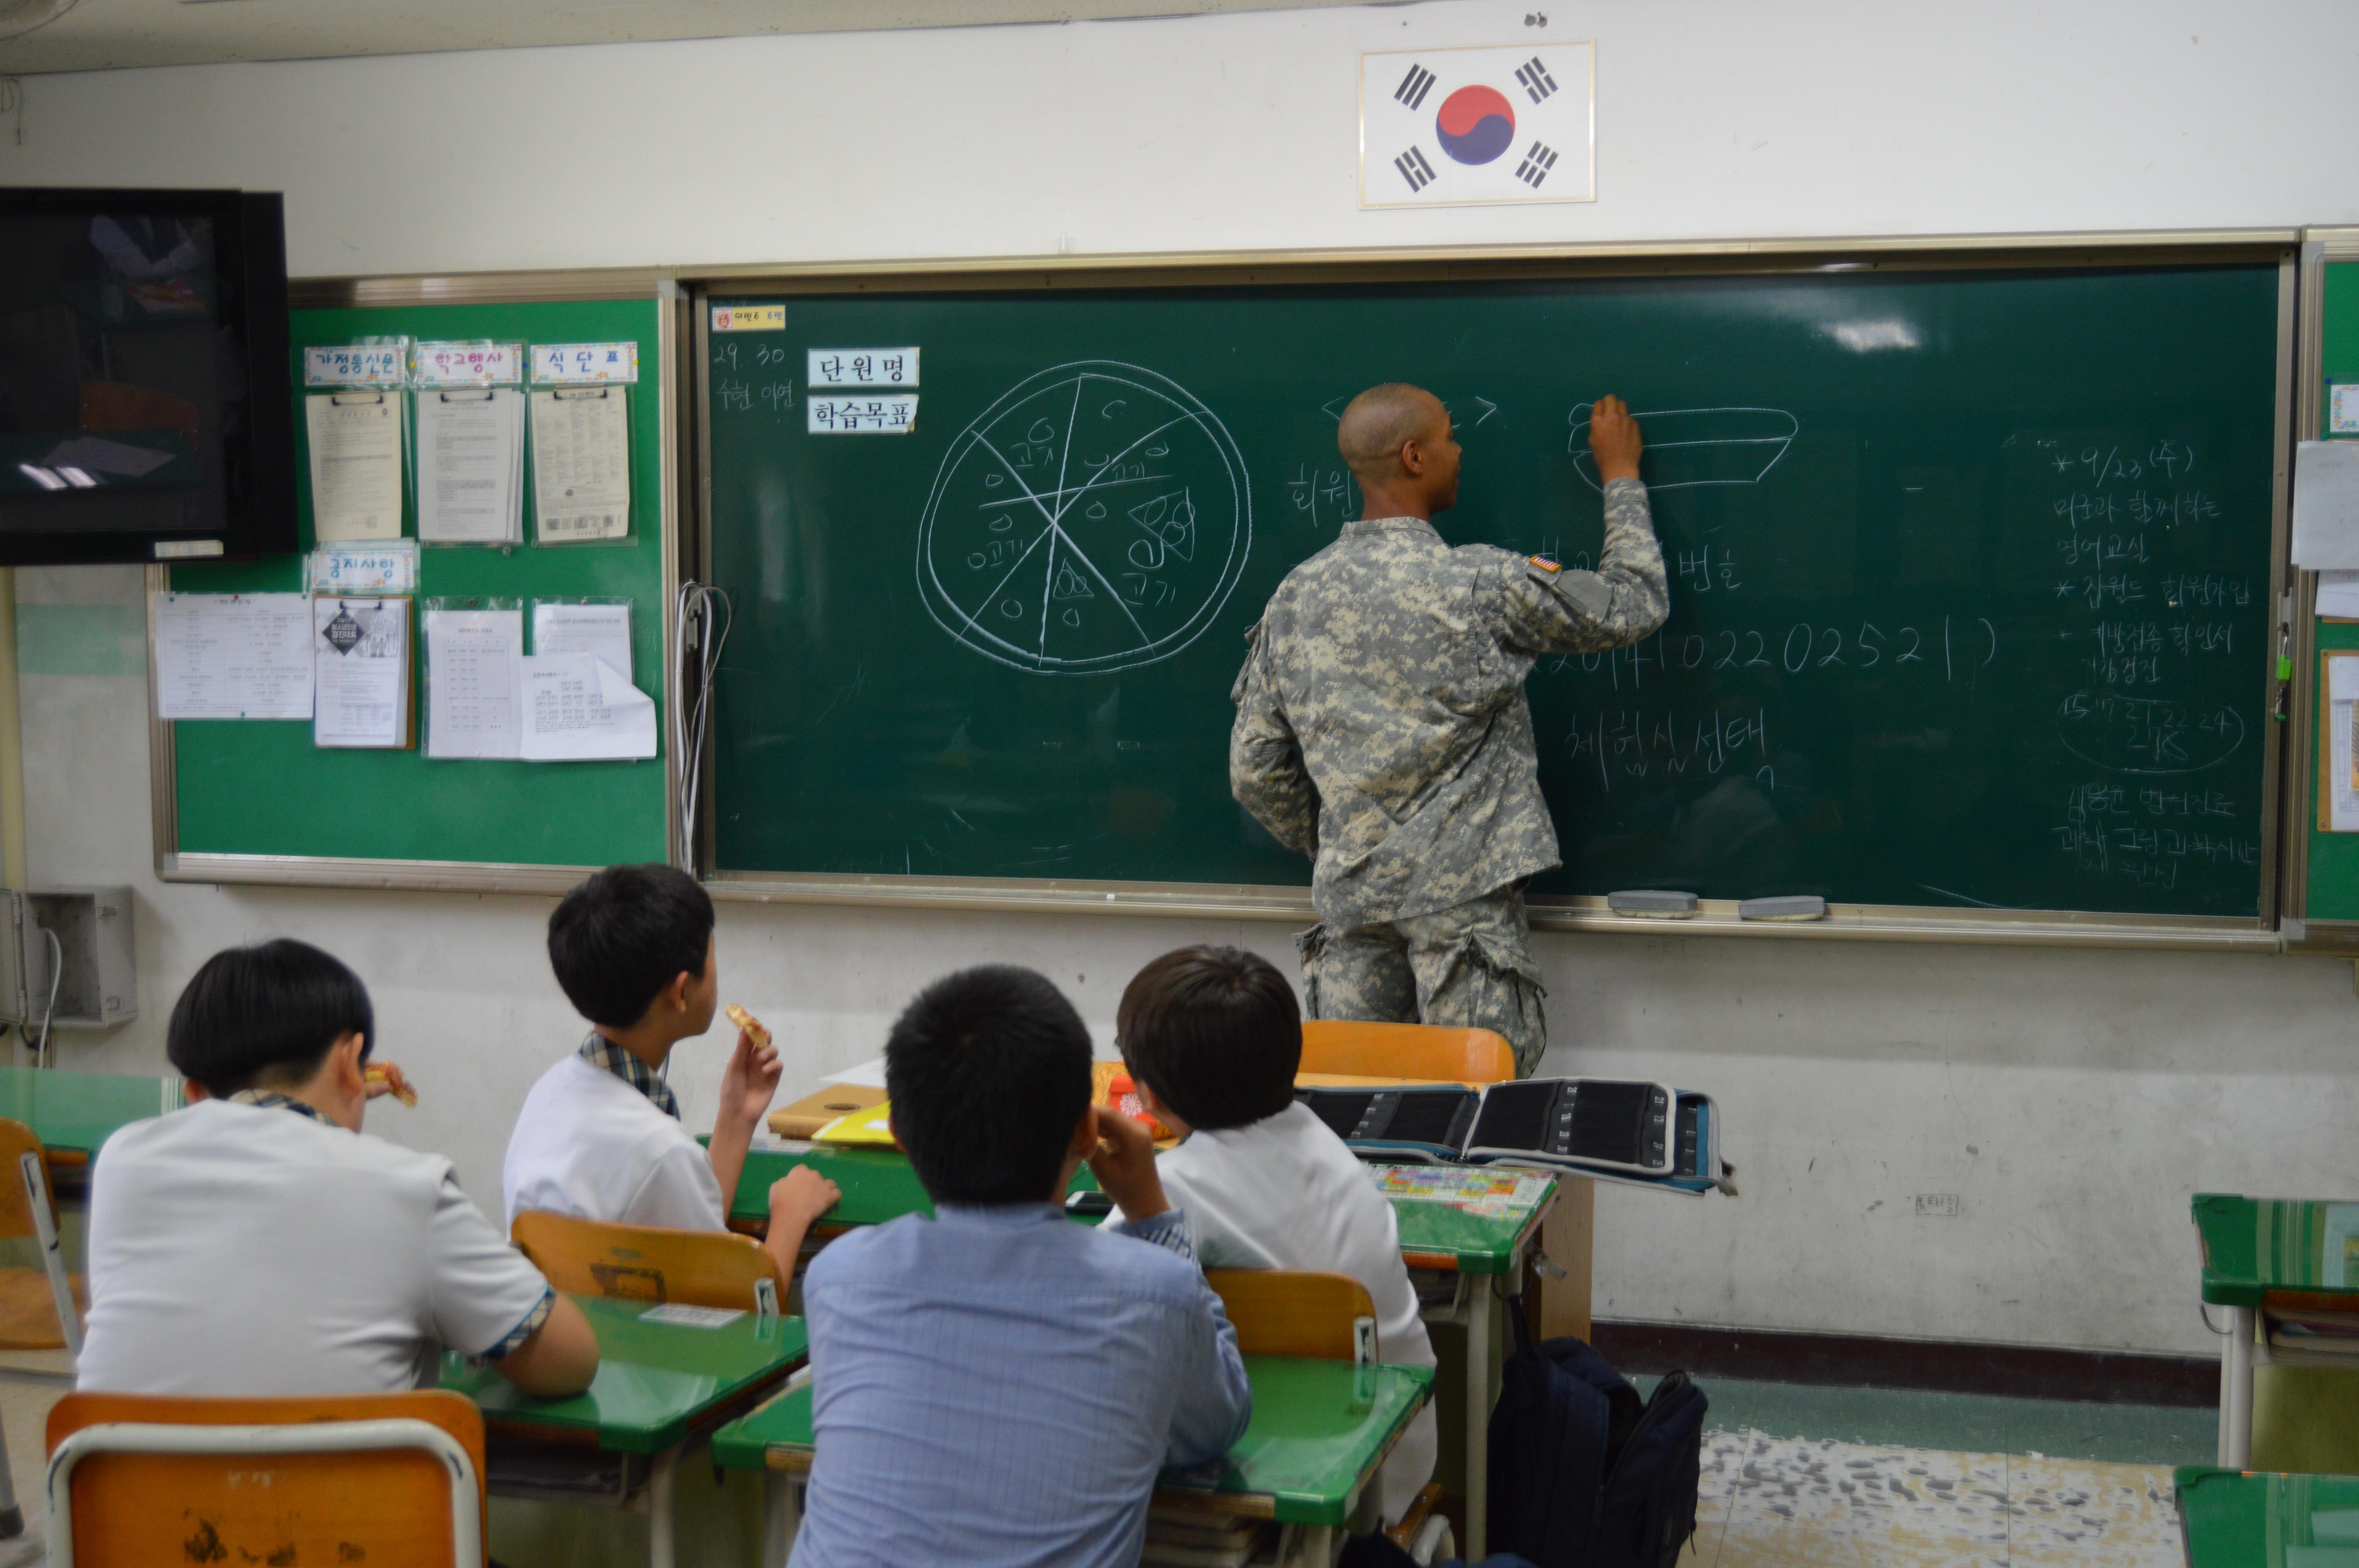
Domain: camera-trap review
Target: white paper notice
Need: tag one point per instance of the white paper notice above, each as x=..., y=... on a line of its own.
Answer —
x=470, y=466
x=232, y=656
x=2326, y=505
x=2338, y=595
x=359, y=652
x=581, y=464
x=2343, y=701
x=355, y=464
x=862, y=367
x=2342, y=409
x=895, y=415
x=390, y=568
x=473, y=670
x=603, y=630
x=581, y=708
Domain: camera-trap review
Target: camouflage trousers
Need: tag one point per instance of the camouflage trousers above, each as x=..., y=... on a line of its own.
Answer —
x=1468, y=966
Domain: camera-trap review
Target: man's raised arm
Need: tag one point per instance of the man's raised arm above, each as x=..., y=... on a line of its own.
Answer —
x=1556, y=610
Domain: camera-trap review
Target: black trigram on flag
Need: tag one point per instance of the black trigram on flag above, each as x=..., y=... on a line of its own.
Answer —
x=1535, y=165
x=1416, y=170
x=1535, y=79
x=1414, y=86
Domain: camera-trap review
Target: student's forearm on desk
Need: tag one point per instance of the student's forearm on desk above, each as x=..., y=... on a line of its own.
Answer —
x=727, y=1152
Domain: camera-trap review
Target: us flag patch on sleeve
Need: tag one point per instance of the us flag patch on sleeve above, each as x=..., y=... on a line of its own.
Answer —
x=1545, y=564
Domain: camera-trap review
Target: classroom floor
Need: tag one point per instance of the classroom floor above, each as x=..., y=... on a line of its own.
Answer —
x=1799, y=1476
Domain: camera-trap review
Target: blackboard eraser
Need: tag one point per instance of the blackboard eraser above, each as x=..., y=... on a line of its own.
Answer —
x=1793, y=907
x=1650, y=904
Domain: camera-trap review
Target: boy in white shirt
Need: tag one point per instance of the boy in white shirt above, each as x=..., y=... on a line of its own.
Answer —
x=600, y=1134
x=1213, y=1037
x=258, y=1243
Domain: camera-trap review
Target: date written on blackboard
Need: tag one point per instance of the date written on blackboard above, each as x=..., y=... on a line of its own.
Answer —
x=1955, y=647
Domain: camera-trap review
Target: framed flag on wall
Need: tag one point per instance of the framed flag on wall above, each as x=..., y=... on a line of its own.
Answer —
x=1453, y=128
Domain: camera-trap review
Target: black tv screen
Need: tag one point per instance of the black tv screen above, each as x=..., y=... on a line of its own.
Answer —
x=145, y=402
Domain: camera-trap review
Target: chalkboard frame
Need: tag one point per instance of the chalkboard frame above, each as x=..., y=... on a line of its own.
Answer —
x=661, y=380
x=1475, y=265
x=2320, y=248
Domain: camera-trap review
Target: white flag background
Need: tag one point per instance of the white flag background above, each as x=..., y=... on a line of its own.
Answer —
x=1446, y=127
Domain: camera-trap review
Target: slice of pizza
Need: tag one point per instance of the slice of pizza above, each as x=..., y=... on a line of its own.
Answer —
x=384, y=1072
x=749, y=1023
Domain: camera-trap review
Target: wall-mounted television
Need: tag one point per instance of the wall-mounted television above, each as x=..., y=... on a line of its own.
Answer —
x=145, y=393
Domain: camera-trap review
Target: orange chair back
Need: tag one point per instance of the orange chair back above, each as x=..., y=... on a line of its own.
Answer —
x=17, y=1140
x=649, y=1263
x=28, y=1300
x=1430, y=1053
x=367, y=1509
x=1295, y=1311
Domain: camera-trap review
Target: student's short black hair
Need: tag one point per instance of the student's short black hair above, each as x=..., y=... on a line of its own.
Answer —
x=268, y=1011
x=1215, y=1033
x=988, y=1070
x=621, y=936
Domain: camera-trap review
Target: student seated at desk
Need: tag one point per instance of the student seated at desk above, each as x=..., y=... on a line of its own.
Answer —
x=996, y=1384
x=259, y=1242
x=1213, y=1038
x=600, y=1135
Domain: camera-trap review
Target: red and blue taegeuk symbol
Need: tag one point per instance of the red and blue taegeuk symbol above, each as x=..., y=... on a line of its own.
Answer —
x=1476, y=125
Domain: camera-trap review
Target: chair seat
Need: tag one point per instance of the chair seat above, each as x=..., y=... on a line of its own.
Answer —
x=29, y=1315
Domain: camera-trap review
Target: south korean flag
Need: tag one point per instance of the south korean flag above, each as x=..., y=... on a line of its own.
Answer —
x=1452, y=126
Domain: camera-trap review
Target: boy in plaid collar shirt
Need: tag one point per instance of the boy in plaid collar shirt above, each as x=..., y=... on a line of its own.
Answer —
x=600, y=1135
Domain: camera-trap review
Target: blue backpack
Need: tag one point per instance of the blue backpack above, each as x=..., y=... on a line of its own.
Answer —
x=1582, y=1475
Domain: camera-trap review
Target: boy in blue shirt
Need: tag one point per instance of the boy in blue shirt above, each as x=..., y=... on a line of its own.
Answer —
x=997, y=1385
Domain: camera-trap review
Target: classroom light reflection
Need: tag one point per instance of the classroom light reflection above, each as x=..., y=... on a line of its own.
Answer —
x=1869, y=337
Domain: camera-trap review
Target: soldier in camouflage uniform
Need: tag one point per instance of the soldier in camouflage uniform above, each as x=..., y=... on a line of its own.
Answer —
x=1382, y=728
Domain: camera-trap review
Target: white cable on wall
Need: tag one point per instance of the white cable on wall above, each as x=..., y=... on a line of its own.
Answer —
x=704, y=617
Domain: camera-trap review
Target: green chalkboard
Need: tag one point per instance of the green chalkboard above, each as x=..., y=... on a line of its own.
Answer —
x=261, y=788
x=2333, y=865
x=1970, y=574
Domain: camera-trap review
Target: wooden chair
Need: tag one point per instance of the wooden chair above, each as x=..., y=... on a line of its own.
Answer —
x=1429, y=1052
x=40, y=1304
x=1297, y=1311
x=361, y=1479
x=649, y=1263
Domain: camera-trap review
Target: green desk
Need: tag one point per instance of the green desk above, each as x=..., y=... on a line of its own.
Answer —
x=1320, y=1430
x=2259, y=1252
x=2231, y=1519
x=658, y=1386
x=73, y=1113
x=878, y=1186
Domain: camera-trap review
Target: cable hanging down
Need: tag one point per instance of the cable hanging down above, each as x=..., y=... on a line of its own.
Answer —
x=704, y=617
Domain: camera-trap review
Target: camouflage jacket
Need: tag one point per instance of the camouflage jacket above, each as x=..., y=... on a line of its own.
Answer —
x=1381, y=721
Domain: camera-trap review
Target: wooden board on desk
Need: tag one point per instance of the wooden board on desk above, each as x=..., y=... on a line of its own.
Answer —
x=813, y=1111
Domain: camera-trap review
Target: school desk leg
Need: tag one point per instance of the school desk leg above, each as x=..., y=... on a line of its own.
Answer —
x=662, y=1552
x=781, y=1516
x=2236, y=1391
x=12, y=1518
x=1481, y=1299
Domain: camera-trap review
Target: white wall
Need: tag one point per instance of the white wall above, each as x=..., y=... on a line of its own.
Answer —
x=2072, y=1099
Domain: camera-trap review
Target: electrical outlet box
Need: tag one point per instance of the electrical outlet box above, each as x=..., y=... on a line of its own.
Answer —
x=90, y=963
x=1937, y=1206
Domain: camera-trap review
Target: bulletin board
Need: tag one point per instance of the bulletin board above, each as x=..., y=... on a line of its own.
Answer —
x=256, y=801
x=2328, y=876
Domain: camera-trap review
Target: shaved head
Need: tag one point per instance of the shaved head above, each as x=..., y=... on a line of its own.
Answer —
x=1378, y=422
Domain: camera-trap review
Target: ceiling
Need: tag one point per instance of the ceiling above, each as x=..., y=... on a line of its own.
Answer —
x=38, y=36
